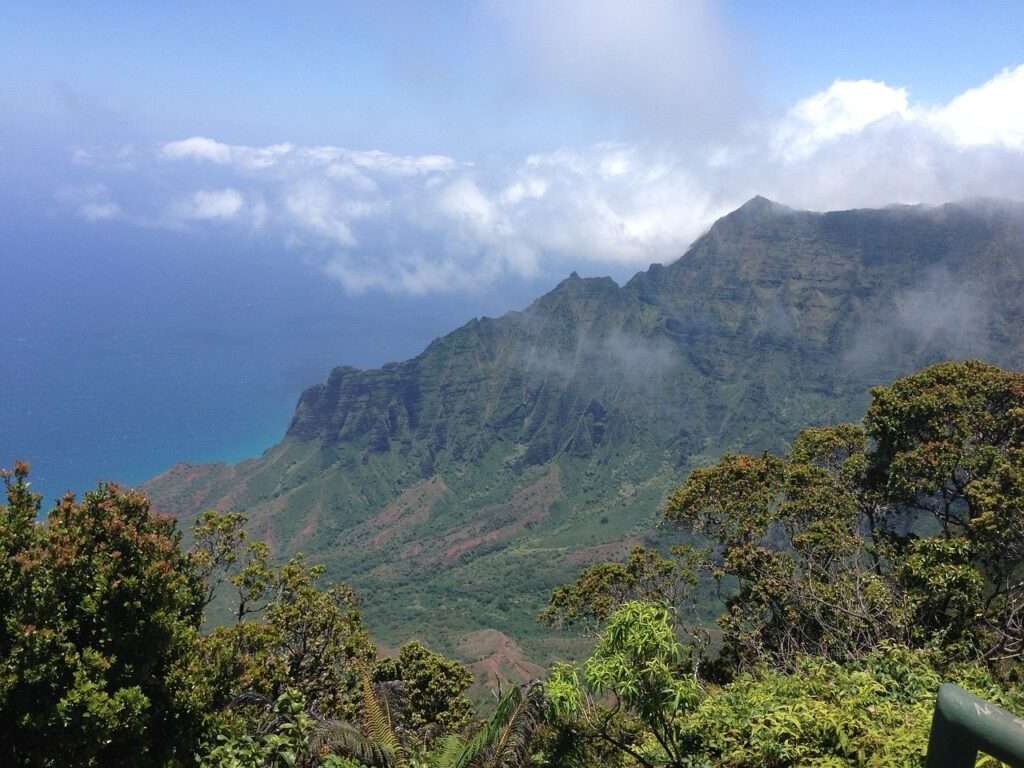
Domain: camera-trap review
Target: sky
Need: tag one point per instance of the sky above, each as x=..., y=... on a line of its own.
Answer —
x=420, y=147
x=302, y=169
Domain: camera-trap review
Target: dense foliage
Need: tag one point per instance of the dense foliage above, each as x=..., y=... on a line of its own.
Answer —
x=908, y=530
x=857, y=571
x=102, y=662
x=101, y=612
x=867, y=554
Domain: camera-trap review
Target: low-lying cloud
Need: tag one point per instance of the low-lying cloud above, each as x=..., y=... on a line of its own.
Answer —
x=619, y=357
x=946, y=315
x=374, y=220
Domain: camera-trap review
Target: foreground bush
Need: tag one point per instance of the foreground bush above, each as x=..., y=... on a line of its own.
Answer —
x=876, y=712
x=637, y=695
x=101, y=611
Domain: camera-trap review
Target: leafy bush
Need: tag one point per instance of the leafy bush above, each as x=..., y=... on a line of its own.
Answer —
x=876, y=712
x=101, y=611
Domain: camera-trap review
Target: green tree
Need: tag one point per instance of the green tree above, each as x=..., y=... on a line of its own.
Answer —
x=788, y=534
x=297, y=640
x=428, y=693
x=639, y=687
x=102, y=611
x=860, y=568
x=308, y=639
x=910, y=529
x=948, y=446
x=603, y=588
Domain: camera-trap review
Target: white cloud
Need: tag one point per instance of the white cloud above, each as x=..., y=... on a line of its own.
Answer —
x=398, y=165
x=91, y=202
x=201, y=148
x=198, y=148
x=671, y=68
x=845, y=108
x=210, y=205
x=99, y=211
x=430, y=223
x=464, y=203
x=341, y=162
x=314, y=207
x=866, y=143
x=123, y=158
x=991, y=114
x=530, y=188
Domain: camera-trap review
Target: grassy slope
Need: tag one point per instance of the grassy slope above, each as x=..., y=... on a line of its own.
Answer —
x=455, y=489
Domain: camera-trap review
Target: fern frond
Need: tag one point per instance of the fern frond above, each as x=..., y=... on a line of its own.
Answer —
x=377, y=720
x=342, y=737
x=480, y=748
x=447, y=752
x=512, y=750
x=504, y=740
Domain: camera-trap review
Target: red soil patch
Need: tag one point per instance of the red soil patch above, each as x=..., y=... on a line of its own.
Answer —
x=183, y=488
x=528, y=505
x=613, y=551
x=498, y=659
x=412, y=507
x=311, y=522
x=186, y=473
x=413, y=550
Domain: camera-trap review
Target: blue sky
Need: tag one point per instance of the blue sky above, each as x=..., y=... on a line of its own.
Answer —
x=293, y=185
x=937, y=49
x=423, y=148
x=454, y=77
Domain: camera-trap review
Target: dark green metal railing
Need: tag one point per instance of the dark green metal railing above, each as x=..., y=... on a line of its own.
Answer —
x=964, y=725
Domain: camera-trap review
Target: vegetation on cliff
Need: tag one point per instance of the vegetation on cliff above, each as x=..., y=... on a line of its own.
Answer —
x=471, y=480
x=860, y=569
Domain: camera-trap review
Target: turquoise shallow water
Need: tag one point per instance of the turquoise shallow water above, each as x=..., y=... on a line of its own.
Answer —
x=126, y=350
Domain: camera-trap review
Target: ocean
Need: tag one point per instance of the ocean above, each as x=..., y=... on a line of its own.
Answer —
x=127, y=349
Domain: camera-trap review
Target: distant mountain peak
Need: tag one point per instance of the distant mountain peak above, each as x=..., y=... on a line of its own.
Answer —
x=579, y=287
x=760, y=206
x=754, y=214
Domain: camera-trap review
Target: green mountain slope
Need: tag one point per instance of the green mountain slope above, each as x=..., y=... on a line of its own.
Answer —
x=455, y=489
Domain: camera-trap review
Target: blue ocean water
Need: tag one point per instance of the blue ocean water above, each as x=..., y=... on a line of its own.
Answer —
x=127, y=349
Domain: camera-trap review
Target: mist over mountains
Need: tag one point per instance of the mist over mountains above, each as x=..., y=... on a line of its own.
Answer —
x=454, y=489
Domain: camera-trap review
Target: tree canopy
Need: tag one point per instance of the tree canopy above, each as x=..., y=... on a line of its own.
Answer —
x=855, y=572
x=888, y=548
x=101, y=616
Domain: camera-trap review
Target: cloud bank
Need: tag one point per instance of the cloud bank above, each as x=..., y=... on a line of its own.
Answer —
x=374, y=220
x=671, y=71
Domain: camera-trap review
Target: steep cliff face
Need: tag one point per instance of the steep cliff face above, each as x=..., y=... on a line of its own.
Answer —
x=454, y=489
x=519, y=378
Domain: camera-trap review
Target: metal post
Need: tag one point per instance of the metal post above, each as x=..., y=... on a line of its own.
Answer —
x=964, y=725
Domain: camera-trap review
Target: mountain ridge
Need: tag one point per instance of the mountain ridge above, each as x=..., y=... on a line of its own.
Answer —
x=475, y=476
